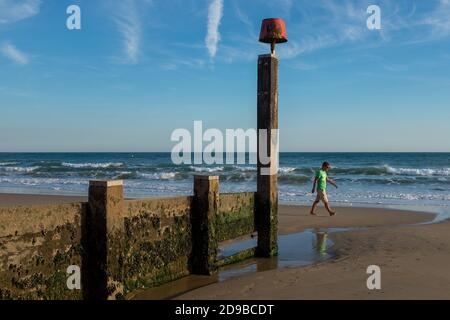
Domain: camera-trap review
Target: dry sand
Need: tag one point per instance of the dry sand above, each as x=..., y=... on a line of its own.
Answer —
x=10, y=199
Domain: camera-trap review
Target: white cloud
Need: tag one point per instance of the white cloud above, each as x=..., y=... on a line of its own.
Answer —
x=339, y=23
x=439, y=19
x=306, y=45
x=325, y=24
x=298, y=65
x=215, y=14
x=245, y=19
x=335, y=24
x=14, y=10
x=175, y=64
x=11, y=52
x=285, y=5
x=126, y=15
x=404, y=24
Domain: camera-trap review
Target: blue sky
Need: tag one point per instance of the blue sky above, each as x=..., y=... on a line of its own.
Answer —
x=138, y=69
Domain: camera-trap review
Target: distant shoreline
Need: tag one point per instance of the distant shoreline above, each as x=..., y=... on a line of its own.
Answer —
x=161, y=152
x=9, y=199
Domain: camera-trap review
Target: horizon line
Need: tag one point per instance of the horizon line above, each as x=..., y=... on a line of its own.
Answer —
x=25, y=152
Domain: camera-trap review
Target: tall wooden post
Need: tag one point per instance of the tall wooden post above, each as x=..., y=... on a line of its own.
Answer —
x=266, y=213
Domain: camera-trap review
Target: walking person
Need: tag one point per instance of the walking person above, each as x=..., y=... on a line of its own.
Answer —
x=320, y=184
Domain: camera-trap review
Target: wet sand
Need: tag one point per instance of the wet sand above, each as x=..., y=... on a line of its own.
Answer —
x=297, y=218
x=270, y=279
x=414, y=260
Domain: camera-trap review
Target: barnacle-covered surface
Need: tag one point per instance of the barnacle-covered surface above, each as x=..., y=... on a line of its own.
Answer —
x=157, y=241
x=235, y=216
x=37, y=245
x=148, y=242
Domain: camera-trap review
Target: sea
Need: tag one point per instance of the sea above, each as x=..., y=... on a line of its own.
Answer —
x=407, y=179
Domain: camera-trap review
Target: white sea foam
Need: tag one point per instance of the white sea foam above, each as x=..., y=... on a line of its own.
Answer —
x=158, y=175
x=371, y=195
x=43, y=181
x=207, y=169
x=167, y=175
x=101, y=165
x=245, y=168
x=285, y=170
x=19, y=169
x=2, y=164
x=419, y=172
x=281, y=170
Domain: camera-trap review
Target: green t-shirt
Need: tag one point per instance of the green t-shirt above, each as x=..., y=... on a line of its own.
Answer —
x=322, y=180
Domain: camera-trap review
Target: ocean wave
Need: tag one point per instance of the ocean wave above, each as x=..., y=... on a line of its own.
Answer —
x=126, y=175
x=245, y=168
x=207, y=169
x=377, y=170
x=251, y=176
x=299, y=193
x=239, y=176
x=368, y=196
x=281, y=170
x=19, y=169
x=388, y=170
x=393, y=180
x=43, y=181
x=294, y=179
x=286, y=170
x=2, y=164
x=93, y=165
x=403, y=196
x=427, y=172
x=159, y=175
x=134, y=175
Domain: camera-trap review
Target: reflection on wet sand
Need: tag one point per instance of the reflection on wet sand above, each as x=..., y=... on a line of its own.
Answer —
x=174, y=288
x=295, y=250
x=321, y=241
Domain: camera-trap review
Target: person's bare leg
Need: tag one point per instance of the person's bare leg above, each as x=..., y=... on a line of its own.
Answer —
x=327, y=206
x=313, y=208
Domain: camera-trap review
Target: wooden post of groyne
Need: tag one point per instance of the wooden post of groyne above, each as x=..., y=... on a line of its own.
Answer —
x=105, y=206
x=204, y=242
x=266, y=213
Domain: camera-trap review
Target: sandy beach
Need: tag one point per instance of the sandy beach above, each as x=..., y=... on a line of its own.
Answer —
x=15, y=199
x=414, y=260
x=413, y=257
